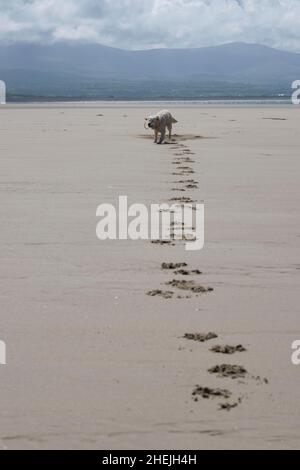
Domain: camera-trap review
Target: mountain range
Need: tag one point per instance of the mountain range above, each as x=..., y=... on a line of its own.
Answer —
x=81, y=70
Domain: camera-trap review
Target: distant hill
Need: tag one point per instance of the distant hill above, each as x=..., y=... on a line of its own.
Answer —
x=92, y=70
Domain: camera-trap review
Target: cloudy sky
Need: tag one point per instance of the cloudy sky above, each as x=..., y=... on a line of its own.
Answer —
x=142, y=24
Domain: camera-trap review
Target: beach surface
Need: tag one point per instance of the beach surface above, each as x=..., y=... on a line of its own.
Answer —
x=93, y=362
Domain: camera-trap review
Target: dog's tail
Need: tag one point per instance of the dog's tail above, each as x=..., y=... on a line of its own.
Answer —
x=174, y=120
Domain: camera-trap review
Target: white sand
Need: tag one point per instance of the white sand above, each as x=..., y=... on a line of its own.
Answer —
x=94, y=363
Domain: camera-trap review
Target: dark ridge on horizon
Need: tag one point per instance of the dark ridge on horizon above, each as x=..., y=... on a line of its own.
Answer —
x=79, y=43
x=93, y=70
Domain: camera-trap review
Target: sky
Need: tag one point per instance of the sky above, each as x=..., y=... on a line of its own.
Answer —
x=145, y=24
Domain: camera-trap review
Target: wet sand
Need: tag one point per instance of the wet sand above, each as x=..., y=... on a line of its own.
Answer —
x=93, y=362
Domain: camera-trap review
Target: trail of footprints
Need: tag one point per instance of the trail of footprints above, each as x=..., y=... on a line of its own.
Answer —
x=189, y=287
x=181, y=288
x=223, y=371
x=184, y=288
x=182, y=161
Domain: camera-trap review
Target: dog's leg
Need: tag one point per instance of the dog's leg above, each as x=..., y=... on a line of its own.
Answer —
x=170, y=131
x=162, y=134
x=155, y=136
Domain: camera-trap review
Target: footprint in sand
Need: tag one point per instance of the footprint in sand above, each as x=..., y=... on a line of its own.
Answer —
x=229, y=406
x=183, y=173
x=186, y=272
x=185, y=200
x=180, y=161
x=172, y=266
x=206, y=392
x=200, y=337
x=160, y=293
x=178, y=268
x=163, y=242
x=235, y=372
x=211, y=393
x=186, y=172
x=186, y=181
x=229, y=370
x=185, y=168
x=228, y=349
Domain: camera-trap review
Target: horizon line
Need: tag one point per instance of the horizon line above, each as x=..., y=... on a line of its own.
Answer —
x=93, y=43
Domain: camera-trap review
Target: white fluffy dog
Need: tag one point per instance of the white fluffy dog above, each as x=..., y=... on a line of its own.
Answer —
x=159, y=123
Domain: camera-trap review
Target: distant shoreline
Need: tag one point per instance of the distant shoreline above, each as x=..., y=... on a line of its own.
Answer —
x=139, y=103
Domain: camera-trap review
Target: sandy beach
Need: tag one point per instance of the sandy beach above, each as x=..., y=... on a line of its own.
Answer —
x=93, y=362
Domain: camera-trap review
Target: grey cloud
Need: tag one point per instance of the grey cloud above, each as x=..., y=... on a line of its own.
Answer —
x=140, y=24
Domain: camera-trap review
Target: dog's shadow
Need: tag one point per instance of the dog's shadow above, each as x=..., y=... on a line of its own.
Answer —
x=176, y=138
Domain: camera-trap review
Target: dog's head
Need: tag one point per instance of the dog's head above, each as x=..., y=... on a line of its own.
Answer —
x=152, y=122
